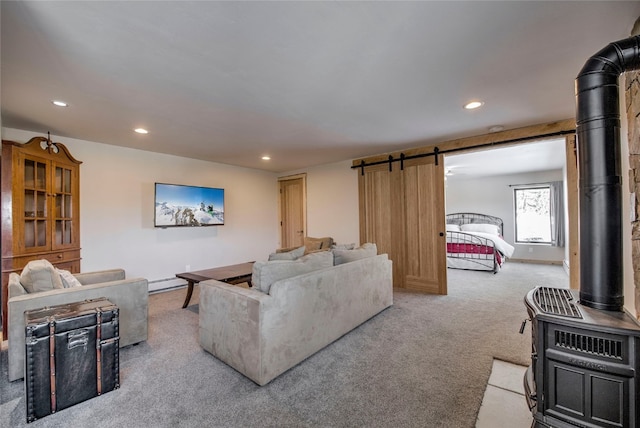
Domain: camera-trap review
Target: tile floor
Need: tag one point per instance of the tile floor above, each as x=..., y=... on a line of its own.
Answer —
x=504, y=405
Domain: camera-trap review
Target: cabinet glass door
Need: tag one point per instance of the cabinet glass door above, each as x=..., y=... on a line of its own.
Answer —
x=35, y=204
x=63, y=185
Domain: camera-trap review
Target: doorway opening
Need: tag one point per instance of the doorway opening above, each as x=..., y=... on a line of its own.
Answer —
x=483, y=182
x=292, y=211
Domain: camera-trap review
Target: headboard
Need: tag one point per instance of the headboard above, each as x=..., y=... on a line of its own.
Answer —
x=466, y=218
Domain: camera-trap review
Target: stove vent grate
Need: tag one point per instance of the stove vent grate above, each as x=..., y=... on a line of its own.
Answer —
x=591, y=345
x=556, y=301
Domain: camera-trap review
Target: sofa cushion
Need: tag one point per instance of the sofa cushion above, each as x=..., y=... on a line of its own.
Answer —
x=289, y=255
x=346, y=256
x=266, y=273
x=343, y=246
x=68, y=280
x=40, y=275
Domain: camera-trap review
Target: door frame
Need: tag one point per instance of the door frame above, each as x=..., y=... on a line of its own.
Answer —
x=571, y=263
x=303, y=177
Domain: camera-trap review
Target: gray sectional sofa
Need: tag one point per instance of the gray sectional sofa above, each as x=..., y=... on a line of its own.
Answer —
x=262, y=335
x=130, y=295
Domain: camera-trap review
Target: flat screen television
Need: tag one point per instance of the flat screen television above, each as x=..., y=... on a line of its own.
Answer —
x=177, y=205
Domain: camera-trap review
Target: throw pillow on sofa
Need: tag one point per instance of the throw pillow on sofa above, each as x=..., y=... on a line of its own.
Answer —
x=68, y=280
x=346, y=256
x=40, y=275
x=289, y=255
x=266, y=273
x=317, y=244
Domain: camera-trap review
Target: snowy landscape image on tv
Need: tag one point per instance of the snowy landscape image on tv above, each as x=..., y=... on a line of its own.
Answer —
x=179, y=205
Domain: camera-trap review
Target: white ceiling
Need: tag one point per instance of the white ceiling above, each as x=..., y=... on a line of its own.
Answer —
x=305, y=82
x=530, y=157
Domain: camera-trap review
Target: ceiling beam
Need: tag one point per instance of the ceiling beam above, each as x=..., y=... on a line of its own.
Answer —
x=503, y=138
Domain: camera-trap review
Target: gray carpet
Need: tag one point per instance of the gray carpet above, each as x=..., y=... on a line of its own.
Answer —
x=424, y=362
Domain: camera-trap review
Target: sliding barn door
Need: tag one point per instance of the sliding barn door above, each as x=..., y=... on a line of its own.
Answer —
x=402, y=211
x=381, y=208
x=424, y=217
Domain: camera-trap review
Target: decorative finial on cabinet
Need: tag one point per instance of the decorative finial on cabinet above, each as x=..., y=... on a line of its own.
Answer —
x=49, y=145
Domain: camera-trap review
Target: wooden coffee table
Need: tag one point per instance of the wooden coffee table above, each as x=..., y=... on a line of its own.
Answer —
x=234, y=274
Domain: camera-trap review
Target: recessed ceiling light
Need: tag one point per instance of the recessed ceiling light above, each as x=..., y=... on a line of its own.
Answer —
x=266, y=158
x=59, y=103
x=473, y=104
x=141, y=131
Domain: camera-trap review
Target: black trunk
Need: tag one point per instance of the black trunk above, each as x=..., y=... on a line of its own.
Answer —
x=72, y=355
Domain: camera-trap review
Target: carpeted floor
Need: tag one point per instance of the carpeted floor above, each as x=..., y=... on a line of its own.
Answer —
x=424, y=362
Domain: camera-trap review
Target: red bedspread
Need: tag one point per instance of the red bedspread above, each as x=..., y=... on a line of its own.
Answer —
x=473, y=249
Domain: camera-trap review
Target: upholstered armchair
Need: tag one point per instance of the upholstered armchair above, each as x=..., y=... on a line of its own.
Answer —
x=130, y=295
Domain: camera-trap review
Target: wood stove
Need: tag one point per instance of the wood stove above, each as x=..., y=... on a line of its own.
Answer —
x=584, y=361
x=585, y=347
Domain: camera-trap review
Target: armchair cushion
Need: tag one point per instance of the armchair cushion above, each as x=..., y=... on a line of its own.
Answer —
x=40, y=275
x=68, y=280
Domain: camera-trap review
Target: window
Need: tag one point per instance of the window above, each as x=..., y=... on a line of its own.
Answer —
x=533, y=214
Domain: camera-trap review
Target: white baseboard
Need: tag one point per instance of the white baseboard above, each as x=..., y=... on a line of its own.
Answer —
x=165, y=283
x=539, y=262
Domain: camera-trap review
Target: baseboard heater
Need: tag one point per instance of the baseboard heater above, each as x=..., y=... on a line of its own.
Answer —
x=166, y=284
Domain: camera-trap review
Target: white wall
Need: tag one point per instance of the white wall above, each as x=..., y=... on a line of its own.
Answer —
x=332, y=201
x=493, y=196
x=117, y=208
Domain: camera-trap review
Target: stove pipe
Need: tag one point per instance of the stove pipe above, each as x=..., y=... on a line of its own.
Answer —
x=598, y=133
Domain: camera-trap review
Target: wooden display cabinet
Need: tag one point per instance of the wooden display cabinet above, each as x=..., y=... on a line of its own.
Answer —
x=40, y=208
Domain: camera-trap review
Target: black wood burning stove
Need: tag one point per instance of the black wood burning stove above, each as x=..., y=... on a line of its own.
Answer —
x=585, y=347
x=584, y=361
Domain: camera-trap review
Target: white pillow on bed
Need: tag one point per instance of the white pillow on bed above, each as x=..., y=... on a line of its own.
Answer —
x=453, y=227
x=481, y=227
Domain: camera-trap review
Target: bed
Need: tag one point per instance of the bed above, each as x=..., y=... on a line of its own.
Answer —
x=474, y=242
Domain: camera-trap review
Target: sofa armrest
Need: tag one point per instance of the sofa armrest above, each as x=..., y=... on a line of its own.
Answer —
x=130, y=295
x=100, y=276
x=229, y=325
